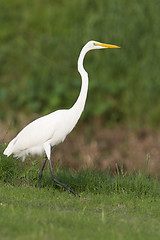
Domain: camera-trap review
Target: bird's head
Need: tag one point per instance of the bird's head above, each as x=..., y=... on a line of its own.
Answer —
x=91, y=45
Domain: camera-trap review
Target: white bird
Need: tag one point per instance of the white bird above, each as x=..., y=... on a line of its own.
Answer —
x=41, y=135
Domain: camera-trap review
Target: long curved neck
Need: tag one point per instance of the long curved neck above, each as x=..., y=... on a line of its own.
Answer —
x=78, y=107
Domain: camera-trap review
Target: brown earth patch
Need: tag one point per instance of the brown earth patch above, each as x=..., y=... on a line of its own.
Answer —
x=111, y=148
x=100, y=148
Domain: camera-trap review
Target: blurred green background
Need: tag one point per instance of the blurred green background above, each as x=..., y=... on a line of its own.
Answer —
x=40, y=43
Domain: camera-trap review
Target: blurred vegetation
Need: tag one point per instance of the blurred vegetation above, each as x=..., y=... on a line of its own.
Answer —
x=39, y=45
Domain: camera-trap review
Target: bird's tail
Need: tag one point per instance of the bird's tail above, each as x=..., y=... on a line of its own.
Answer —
x=9, y=150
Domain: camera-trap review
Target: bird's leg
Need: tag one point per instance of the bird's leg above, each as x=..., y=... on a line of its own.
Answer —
x=57, y=182
x=40, y=173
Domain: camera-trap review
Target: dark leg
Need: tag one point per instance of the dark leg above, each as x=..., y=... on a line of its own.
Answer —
x=57, y=182
x=40, y=173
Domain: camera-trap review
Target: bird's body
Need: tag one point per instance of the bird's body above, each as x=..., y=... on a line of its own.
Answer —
x=48, y=131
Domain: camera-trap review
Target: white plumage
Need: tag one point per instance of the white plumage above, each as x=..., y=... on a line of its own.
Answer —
x=40, y=135
x=50, y=129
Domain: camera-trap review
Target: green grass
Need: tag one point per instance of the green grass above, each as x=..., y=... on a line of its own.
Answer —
x=112, y=205
x=28, y=213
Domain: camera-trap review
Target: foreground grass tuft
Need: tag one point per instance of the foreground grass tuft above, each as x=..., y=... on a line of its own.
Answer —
x=14, y=172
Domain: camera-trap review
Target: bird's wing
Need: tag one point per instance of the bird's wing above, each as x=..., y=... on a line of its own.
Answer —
x=34, y=134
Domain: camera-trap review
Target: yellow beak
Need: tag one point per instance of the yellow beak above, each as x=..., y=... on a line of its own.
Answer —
x=105, y=45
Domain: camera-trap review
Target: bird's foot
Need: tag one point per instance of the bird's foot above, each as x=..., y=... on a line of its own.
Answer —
x=59, y=183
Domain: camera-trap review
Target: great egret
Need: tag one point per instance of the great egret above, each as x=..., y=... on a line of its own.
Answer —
x=41, y=135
